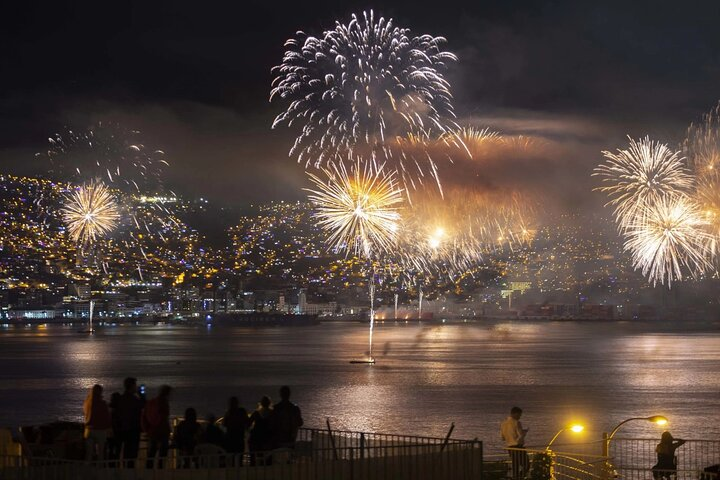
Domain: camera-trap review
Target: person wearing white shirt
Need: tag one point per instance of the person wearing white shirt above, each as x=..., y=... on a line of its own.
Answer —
x=514, y=437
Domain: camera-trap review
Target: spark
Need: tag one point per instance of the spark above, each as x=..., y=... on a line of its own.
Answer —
x=358, y=87
x=640, y=177
x=357, y=208
x=668, y=238
x=90, y=212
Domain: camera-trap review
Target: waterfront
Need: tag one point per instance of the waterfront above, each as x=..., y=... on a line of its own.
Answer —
x=426, y=376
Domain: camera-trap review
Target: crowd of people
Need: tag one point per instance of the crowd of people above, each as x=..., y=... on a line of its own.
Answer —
x=113, y=429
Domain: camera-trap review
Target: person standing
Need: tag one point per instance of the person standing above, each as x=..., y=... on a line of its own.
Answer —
x=236, y=423
x=260, y=432
x=97, y=423
x=156, y=424
x=285, y=421
x=513, y=434
x=129, y=412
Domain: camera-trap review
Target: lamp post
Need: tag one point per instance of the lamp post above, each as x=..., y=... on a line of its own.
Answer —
x=657, y=419
x=575, y=428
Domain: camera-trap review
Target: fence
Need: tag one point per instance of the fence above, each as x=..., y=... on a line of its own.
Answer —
x=633, y=458
x=319, y=454
x=545, y=464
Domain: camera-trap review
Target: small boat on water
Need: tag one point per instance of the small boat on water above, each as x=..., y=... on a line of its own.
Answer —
x=364, y=361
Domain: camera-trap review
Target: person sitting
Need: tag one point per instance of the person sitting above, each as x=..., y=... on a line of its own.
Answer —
x=666, y=466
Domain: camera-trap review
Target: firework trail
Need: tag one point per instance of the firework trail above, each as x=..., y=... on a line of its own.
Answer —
x=359, y=211
x=90, y=211
x=357, y=208
x=667, y=238
x=640, y=177
x=360, y=86
x=109, y=152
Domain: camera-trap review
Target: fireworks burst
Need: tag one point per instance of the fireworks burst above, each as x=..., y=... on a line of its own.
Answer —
x=641, y=176
x=702, y=148
x=667, y=238
x=107, y=151
x=358, y=209
x=360, y=86
x=90, y=212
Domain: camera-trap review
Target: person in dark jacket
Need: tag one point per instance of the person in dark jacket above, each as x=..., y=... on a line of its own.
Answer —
x=129, y=412
x=97, y=423
x=666, y=467
x=236, y=423
x=285, y=421
x=113, y=442
x=156, y=424
x=187, y=435
x=213, y=434
x=260, y=432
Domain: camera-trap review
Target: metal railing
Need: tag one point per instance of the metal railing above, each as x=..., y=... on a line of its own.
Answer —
x=546, y=464
x=319, y=454
x=632, y=458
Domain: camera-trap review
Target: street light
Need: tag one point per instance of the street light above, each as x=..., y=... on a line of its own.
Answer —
x=656, y=419
x=575, y=428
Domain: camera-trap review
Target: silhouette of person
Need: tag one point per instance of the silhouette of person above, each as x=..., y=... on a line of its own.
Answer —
x=236, y=423
x=514, y=437
x=260, y=432
x=285, y=421
x=666, y=466
x=129, y=413
x=156, y=424
x=97, y=423
x=213, y=434
x=113, y=442
x=187, y=435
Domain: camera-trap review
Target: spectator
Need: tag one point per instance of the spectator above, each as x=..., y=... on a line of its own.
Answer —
x=156, y=424
x=260, y=433
x=213, y=434
x=187, y=435
x=129, y=413
x=285, y=421
x=97, y=423
x=236, y=423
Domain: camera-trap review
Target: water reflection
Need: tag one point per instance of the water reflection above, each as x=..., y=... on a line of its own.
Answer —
x=428, y=376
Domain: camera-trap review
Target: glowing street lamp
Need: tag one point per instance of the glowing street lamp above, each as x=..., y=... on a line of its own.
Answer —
x=575, y=428
x=656, y=419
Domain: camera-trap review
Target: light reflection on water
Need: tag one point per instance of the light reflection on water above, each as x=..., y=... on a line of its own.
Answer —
x=426, y=377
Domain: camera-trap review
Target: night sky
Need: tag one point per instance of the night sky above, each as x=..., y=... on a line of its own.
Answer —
x=194, y=77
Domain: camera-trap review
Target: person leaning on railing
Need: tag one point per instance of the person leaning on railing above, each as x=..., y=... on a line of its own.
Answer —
x=666, y=466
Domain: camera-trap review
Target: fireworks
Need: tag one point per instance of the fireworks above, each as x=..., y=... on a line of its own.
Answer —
x=702, y=148
x=358, y=209
x=107, y=151
x=641, y=176
x=90, y=211
x=451, y=235
x=360, y=86
x=668, y=237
